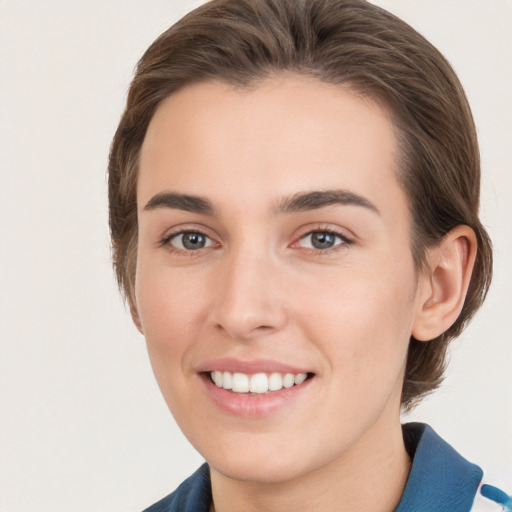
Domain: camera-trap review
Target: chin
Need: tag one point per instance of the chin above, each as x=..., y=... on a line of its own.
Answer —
x=262, y=460
x=272, y=472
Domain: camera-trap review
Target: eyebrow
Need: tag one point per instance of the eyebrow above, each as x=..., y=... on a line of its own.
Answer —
x=184, y=202
x=302, y=201
x=319, y=199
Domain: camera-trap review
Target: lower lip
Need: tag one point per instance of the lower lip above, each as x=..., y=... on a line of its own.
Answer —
x=252, y=405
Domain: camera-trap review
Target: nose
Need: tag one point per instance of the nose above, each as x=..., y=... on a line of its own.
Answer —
x=250, y=299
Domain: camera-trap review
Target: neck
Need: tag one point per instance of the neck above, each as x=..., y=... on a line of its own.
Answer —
x=371, y=477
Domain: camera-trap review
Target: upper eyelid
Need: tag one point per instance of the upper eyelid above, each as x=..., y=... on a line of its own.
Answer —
x=179, y=230
x=166, y=243
x=345, y=234
x=176, y=236
x=344, y=241
x=335, y=232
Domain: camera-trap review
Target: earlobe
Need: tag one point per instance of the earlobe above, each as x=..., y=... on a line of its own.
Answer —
x=444, y=283
x=135, y=316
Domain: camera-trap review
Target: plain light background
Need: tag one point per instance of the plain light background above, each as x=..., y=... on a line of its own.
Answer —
x=82, y=424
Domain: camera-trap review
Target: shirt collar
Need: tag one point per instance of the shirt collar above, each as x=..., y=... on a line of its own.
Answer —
x=440, y=478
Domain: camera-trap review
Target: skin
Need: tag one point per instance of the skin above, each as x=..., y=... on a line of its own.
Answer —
x=258, y=289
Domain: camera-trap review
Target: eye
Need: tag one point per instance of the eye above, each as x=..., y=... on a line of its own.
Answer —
x=190, y=241
x=321, y=240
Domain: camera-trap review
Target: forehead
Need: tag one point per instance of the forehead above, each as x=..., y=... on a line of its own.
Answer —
x=285, y=135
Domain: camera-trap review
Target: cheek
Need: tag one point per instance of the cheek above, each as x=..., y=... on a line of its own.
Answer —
x=361, y=316
x=167, y=305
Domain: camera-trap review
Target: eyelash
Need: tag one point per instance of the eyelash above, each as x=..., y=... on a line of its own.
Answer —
x=345, y=240
x=166, y=242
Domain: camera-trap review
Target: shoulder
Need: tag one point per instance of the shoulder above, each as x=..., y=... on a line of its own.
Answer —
x=193, y=495
x=441, y=479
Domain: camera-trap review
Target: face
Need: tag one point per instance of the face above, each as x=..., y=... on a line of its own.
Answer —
x=274, y=258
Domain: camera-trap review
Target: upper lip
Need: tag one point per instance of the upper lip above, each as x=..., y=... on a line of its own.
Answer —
x=233, y=365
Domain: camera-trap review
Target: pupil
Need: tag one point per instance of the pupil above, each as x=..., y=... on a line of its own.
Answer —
x=322, y=240
x=193, y=241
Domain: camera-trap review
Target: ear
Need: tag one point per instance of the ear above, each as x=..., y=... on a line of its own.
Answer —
x=444, y=283
x=135, y=315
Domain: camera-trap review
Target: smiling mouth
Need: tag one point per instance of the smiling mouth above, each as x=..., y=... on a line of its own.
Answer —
x=257, y=383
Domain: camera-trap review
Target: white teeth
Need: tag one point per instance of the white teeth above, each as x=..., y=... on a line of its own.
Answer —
x=288, y=380
x=300, y=378
x=256, y=383
x=217, y=378
x=240, y=383
x=227, y=380
x=275, y=382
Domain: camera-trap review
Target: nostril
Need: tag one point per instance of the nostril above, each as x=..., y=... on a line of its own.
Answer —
x=264, y=328
x=243, y=328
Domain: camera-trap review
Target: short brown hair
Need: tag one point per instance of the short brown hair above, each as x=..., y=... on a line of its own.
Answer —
x=350, y=43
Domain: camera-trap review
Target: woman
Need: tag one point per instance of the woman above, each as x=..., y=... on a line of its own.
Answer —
x=294, y=191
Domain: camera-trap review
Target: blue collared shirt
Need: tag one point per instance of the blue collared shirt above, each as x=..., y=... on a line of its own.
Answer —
x=441, y=480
